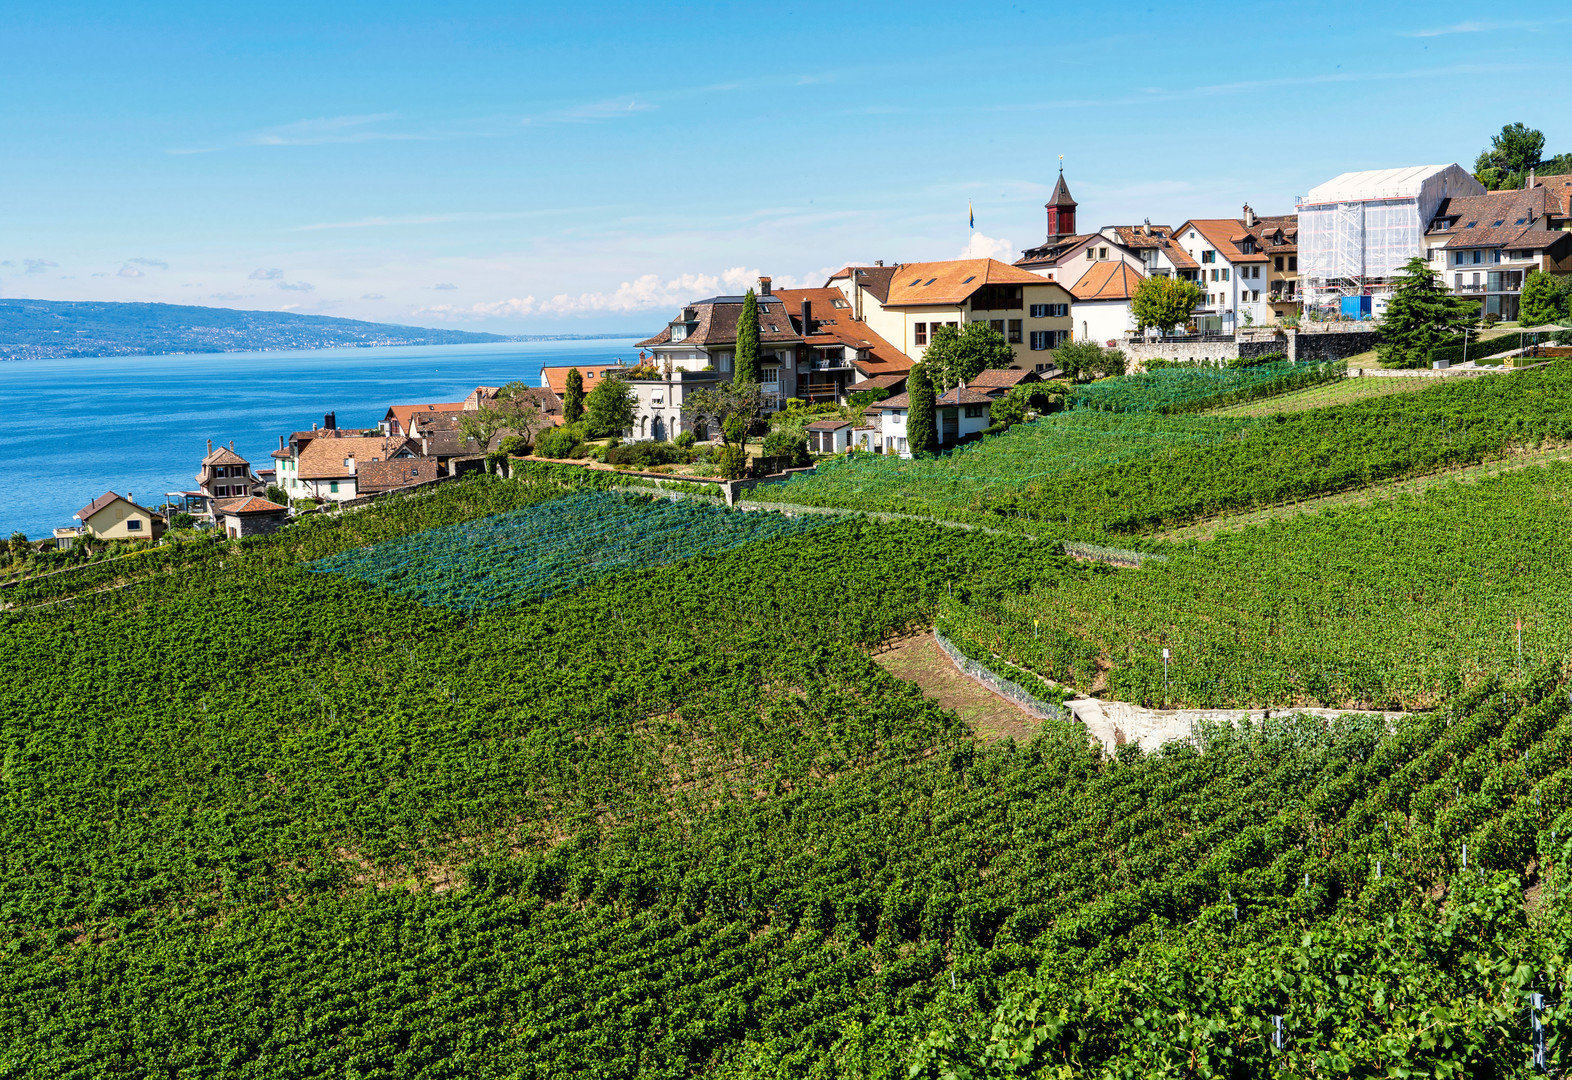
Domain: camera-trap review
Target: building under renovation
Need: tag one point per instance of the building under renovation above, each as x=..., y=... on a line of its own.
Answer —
x=1357, y=230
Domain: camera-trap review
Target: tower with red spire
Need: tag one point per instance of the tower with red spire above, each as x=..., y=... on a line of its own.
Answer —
x=1061, y=211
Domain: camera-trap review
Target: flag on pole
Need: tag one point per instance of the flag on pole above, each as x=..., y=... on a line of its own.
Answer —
x=971, y=217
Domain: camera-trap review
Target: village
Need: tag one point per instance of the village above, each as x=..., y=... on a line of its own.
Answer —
x=824, y=371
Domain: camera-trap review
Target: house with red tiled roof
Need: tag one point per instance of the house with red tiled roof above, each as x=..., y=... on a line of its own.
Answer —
x=1485, y=246
x=907, y=302
x=1102, y=303
x=837, y=349
x=249, y=516
x=113, y=517
x=328, y=465
x=1232, y=273
x=398, y=418
x=958, y=413
x=224, y=474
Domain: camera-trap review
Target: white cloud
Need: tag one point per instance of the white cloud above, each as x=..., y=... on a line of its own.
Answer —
x=445, y=286
x=986, y=247
x=230, y=297
x=267, y=275
x=373, y=296
x=297, y=286
x=130, y=271
x=157, y=264
x=37, y=266
x=328, y=129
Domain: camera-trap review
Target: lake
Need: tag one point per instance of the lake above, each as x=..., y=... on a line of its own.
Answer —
x=139, y=425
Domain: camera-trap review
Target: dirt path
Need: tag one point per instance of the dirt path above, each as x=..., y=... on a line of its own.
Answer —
x=918, y=660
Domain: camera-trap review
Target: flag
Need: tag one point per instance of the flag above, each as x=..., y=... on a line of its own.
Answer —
x=971, y=216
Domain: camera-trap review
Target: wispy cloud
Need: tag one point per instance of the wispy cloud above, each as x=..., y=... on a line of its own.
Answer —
x=445, y=286
x=332, y=129
x=129, y=271
x=1475, y=26
x=38, y=266
x=230, y=297
x=650, y=291
x=373, y=296
x=595, y=111
x=457, y=218
x=266, y=275
x=156, y=264
x=297, y=286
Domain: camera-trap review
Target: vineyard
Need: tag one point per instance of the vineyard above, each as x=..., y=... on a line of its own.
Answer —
x=263, y=816
x=1085, y=473
x=555, y=547
x=1193, y=387
x=1394, y=606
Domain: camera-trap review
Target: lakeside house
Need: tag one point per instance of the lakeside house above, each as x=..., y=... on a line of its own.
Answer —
x=249, y=516
x=113, y=517
x=224, y=475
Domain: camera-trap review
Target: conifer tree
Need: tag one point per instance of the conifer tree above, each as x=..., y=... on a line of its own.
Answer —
x=922, y=432
x=746, y=367
x=1422, y=315
x=573, y=398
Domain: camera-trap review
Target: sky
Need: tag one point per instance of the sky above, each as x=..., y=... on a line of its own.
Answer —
x=530, y=168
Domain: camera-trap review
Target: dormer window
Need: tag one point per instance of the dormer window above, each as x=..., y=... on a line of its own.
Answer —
x=679, y=331
x=839, y=304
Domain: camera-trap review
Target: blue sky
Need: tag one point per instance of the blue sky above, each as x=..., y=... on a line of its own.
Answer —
x=584, y=167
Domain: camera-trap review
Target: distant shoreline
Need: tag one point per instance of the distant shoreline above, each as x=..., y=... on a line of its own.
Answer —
x=497, y=340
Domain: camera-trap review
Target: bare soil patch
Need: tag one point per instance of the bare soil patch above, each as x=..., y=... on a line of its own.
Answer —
x=918, y=659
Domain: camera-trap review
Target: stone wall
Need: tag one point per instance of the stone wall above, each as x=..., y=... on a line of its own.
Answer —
x=1333, y=344
x=1185, y=352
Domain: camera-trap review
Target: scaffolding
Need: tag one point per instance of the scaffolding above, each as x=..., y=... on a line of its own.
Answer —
x=1358, y=230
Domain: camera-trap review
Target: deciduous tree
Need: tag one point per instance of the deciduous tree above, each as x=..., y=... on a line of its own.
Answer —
x=1506, y=161
x=1164, y=302
x=956, y=357
x=716, y=406
x=1544, y=299
x=1083, y=361
x=609, y=409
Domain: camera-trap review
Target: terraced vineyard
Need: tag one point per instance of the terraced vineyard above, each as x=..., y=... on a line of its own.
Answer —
x=1192, y=388
x=260, y=820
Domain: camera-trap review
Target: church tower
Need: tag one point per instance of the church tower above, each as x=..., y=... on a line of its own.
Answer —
x=1061, y=211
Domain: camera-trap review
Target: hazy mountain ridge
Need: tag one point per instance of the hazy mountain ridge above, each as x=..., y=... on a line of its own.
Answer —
x=45, y=329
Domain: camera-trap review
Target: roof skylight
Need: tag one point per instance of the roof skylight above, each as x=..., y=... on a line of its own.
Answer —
x=969, y=280
x=930, y=281
x=914, y=284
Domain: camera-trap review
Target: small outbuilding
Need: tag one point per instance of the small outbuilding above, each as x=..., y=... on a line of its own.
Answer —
x=829, y=436
x=250, y=516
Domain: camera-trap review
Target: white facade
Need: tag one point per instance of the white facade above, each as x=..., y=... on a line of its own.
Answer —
x=1102, y=321
x=1234, y=286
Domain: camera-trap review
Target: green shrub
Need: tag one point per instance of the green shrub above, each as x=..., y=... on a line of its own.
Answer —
x=646, y=455
x=558, y=442
x=685, y=440
x=784, y=444
x=733, y=461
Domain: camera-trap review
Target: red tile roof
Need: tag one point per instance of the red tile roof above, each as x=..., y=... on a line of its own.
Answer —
x=828, y=425
x=1108, y=281
x=95, y=506
x=1001, y=377
x=224, y=456
x=377, y=476
x=404, y=413
x=251, y=504
x=952, y=282
x=957, y=396
x=834, y=326
x=324, y=459
x=1218, y=232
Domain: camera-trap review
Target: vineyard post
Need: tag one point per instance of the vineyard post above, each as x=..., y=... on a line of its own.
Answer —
x=1537, y=1031
x=1165, y=677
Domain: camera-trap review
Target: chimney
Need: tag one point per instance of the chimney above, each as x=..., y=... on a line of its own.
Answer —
x=210, y=447
x=857, y=295
x=281, y=442
x=1249, y=217
x=231, y=444
x=807, y=317
x=764, y=286
x=878, y=262
x=313, y=425
x=329, y=423
x=1531, y=172
x=1146, y=227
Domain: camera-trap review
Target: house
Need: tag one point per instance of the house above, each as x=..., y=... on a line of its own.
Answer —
x=249, y=516
x=958, y=413
x=1483, y=246
x=114, y=517
x=1102, y=302
x=1277, y=237
x=906, y=303
x=327, y=467
x=837, y=349
x=1067, y=255
x=702, y=339
x=1358, y=230
x=998, y=382
x=224, y=475
x=375, y=477
x=889, y=384
x=828, y=436
x=1232, y=274
x=397, y=420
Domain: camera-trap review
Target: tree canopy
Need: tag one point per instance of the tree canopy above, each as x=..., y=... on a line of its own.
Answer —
x=746, y=367
x=610, y=407
x=922, y=431
x=1544, y=299
x=957, y=356
x=511, y=410
x=1083, y=361
x=717, y=405
x=1422, y=315
x=1163, y=302
x=573, y=398
x=1506, y=161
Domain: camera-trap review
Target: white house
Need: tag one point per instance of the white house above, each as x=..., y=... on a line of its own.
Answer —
x=1102, y=303
x=960, y=412
x=1232, y=276
x=829, y=436
x=325, y=467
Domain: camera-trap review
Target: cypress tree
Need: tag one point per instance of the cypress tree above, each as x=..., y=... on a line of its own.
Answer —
x=573, y=399
x=922, y=432
x=746, y=367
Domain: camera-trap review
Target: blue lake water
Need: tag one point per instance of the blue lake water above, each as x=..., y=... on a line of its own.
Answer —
x=140, y=424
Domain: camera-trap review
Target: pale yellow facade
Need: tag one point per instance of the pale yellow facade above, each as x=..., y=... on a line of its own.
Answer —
x=121, y=520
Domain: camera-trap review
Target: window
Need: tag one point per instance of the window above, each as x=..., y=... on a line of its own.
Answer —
x=133, y=524
x=1214, y=275
x=1471, y=224
x=1279, y=264
x=1208, y=256
x=1479, y=257
x=1521, y=221
x=1497, y=225
x=1255, y=294
x=1293, y=262
x=1061, y=311
x=1457, y=282
x=919, y=333
x=1039, y=340
x=949, y=324
x=771, y=376
x=973, y=411
x=840, y=304
x=1102, y=253
x=996, y=324
x=969, y=280
x=1255, y=271
x=1014, y=336
x=1225, y=273
x=1457, y=258
x=914, y=284
x=930, y=281
x=1090, y=255
x=333, y=487
x=1038, y=311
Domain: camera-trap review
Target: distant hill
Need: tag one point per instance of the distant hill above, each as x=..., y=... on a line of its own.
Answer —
x=32, y=329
